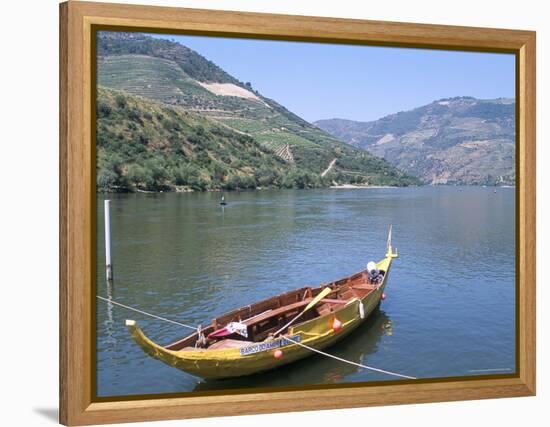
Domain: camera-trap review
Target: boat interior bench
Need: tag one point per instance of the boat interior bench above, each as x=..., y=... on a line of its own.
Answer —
x=291, y=308
x=277, y=312
x=260, y=326
x=365, y=287
x=268, y=316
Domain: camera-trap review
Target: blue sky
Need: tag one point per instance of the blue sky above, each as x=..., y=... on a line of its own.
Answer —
x=321, y=81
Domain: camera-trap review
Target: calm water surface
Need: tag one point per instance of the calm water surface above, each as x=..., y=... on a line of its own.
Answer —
x=450, y=309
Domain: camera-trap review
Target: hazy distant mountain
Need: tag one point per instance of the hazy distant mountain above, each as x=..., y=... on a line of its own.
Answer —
x=460, y=140
x=169, y=117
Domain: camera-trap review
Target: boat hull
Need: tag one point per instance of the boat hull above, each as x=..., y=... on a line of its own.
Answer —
x=316, y=333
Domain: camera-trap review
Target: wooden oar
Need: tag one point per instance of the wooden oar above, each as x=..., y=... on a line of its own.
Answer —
x=313, y=302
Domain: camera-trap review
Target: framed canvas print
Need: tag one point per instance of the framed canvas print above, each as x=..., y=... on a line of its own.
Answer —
x=265, y=213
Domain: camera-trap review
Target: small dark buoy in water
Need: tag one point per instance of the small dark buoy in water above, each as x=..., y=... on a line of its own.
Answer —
x=223, y=202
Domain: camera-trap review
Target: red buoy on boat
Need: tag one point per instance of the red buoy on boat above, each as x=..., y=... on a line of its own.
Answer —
x=383, y=296
x=278, y=354
x=336, y=325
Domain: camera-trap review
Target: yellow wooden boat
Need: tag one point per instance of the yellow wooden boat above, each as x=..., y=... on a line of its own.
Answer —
x=267, y=335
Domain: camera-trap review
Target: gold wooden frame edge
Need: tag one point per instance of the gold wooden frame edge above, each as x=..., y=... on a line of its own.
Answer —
x=76, y=199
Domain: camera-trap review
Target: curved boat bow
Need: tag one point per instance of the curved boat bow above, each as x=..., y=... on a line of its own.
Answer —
x=256, y=345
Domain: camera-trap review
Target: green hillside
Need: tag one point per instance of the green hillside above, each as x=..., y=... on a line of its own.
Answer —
x=173, y=78
x=148, y=146
x=193, y=64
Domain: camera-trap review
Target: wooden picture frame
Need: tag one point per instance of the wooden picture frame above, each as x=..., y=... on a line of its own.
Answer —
x=77, y=208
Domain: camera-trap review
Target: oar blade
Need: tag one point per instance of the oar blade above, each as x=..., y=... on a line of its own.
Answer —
x=318, y=298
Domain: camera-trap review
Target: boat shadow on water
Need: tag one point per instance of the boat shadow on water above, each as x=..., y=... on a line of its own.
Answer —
x=316, y=369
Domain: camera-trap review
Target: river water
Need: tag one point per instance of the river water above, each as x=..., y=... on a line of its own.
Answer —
x=450, y=306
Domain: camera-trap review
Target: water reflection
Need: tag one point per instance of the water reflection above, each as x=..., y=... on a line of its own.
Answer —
x=451, y=303
x=109, y=321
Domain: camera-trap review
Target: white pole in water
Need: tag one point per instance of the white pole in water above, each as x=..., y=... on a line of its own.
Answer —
x=108, y=263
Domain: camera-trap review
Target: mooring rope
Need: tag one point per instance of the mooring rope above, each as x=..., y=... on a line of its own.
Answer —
x=349, y=361
x=107, y=300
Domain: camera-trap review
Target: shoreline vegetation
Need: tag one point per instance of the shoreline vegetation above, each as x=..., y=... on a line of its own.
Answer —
x=147, y=146
x=185, y=189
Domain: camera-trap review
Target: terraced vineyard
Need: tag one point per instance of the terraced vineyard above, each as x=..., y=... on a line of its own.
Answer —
x=169, y=73
x=282, y=151
x=145, y=76
x=162, y=80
